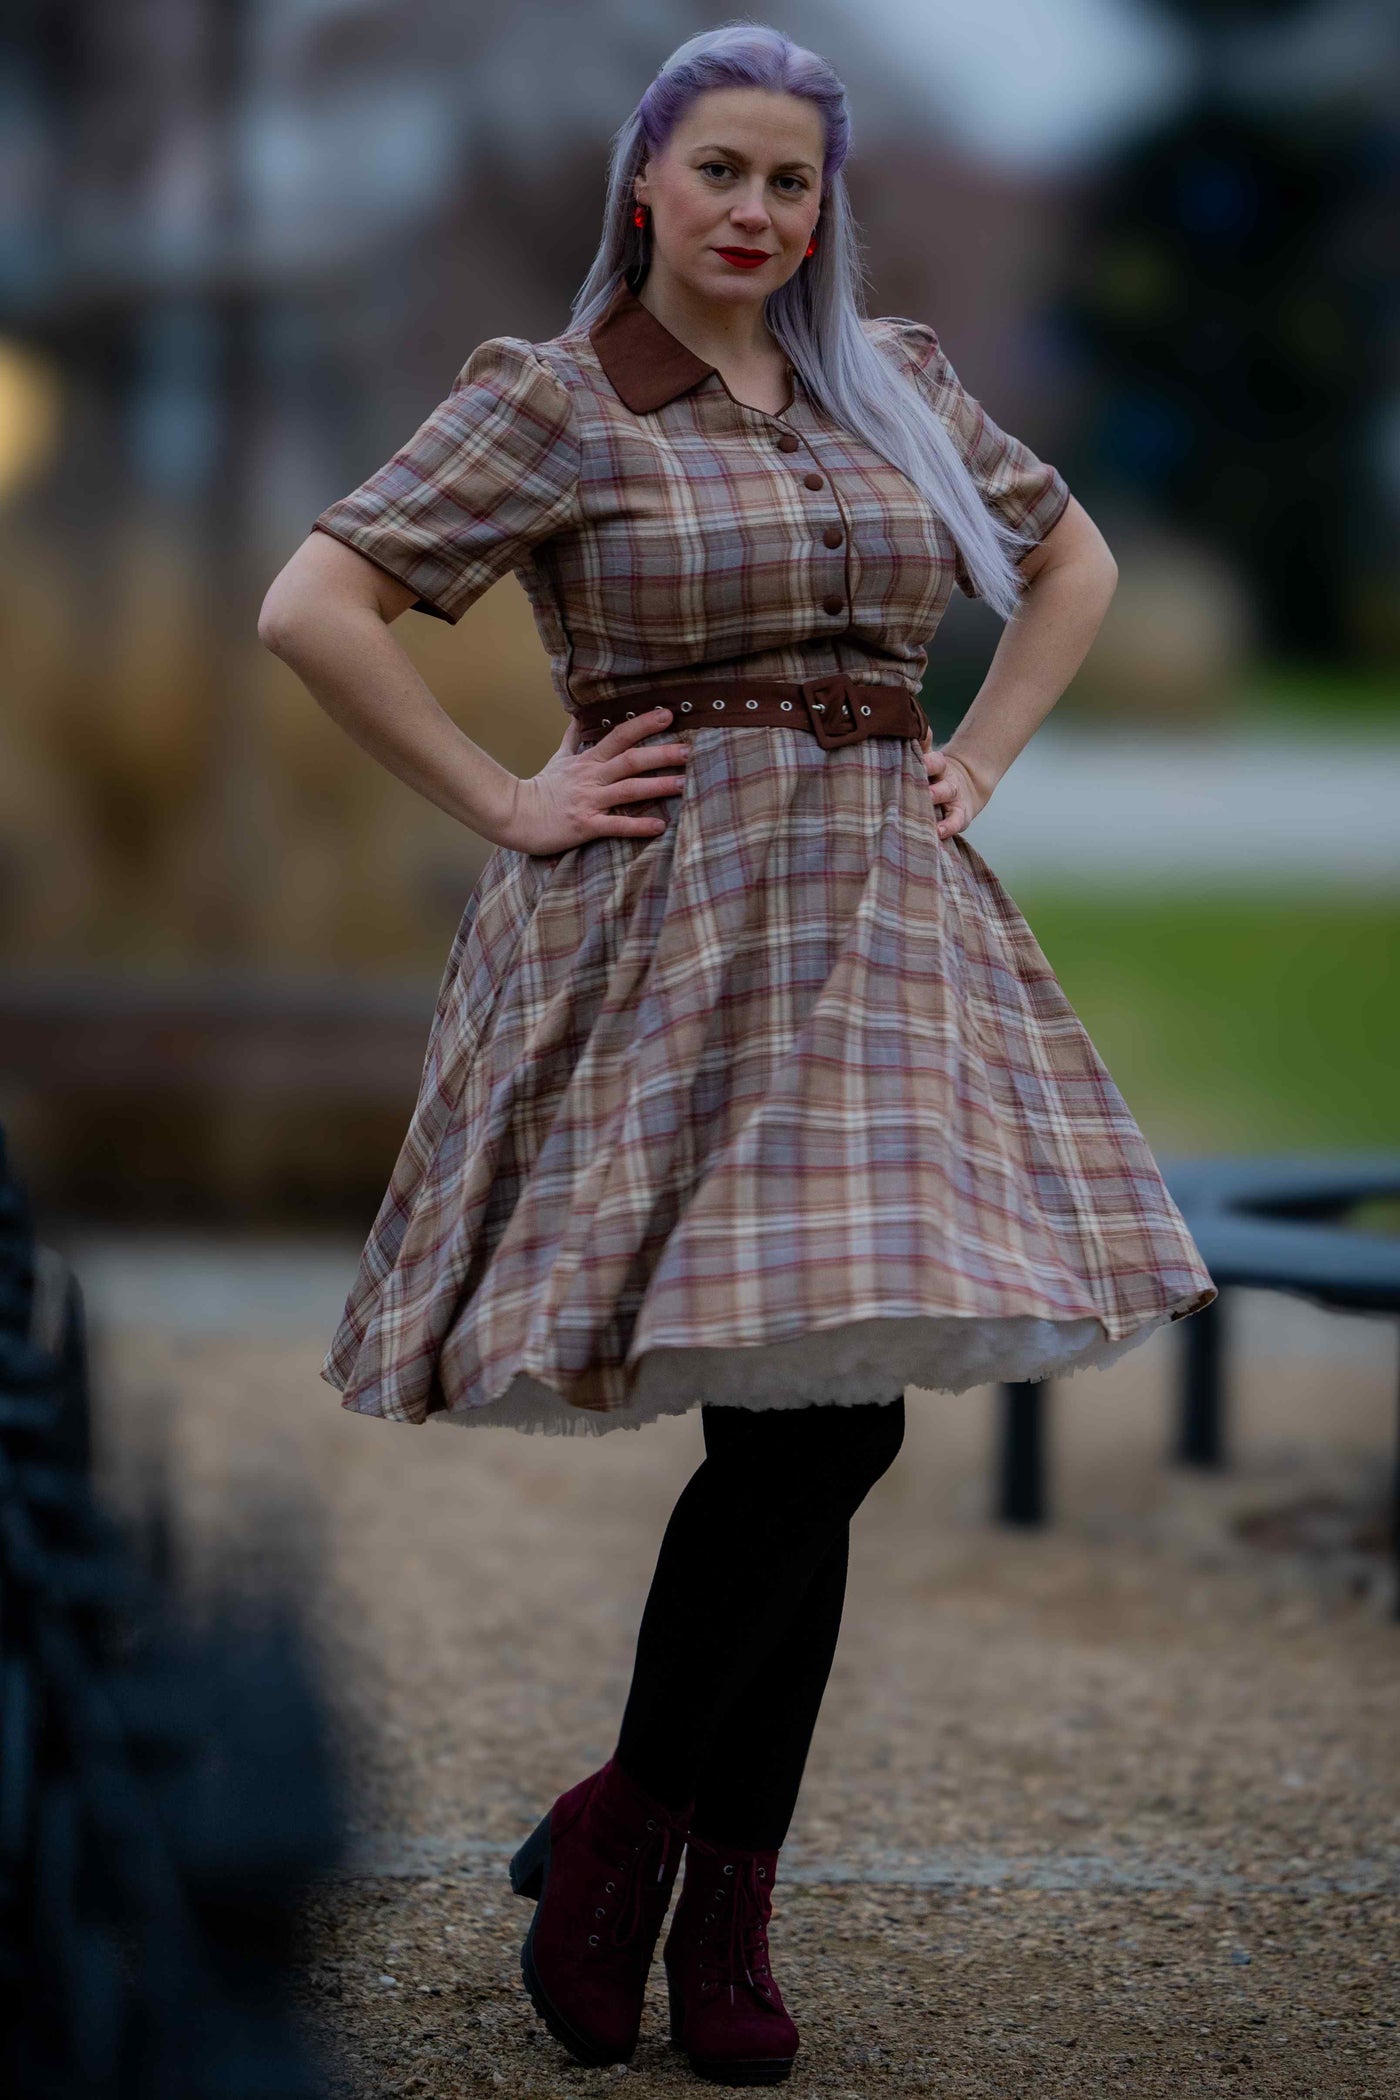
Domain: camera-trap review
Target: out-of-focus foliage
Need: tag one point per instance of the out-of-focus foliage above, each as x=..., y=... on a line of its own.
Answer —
x=243, y=251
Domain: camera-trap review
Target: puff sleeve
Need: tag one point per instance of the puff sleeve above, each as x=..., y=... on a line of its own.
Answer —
x=1029, y=495
x=492, y=472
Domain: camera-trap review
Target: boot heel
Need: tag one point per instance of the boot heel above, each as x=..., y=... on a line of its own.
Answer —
x=527, y=1867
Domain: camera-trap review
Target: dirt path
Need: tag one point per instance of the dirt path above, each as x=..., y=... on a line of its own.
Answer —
x=1109, y=1808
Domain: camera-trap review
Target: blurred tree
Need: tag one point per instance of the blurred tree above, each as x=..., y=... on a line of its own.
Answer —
x=1227, y=295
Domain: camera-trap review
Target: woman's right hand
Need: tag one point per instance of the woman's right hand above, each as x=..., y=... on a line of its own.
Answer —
x=571, y=799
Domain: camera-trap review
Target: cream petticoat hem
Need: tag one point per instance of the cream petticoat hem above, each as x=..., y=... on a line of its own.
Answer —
x=863, y=1361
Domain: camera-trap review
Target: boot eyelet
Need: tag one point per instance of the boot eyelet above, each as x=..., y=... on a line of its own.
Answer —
x=592, y=1939
x=611, y=1886
x=729, y=1869
x=600, y=1913
x=763, y=1873
x=650, y=1824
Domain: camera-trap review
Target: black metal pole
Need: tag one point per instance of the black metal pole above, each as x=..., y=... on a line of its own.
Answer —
x=1200, y=1437
x=1022, y=1486
x=1395, y=1503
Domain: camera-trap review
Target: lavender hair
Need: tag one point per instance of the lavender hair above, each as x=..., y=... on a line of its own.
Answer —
x=816, y=315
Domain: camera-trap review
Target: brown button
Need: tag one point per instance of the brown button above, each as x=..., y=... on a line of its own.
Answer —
x=813, y=481
x=787, y=442
x=833, y=536
x=833, y=605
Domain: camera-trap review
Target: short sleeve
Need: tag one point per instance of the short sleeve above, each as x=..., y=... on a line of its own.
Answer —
x=492, y=472
x=1026, y=493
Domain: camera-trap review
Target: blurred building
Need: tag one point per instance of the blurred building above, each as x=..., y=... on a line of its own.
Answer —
x=245, y=249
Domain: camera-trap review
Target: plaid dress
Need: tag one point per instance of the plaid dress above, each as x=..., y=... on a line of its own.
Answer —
x=784, y=1105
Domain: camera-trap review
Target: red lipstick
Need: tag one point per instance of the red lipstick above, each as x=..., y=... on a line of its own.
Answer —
x=744, y=258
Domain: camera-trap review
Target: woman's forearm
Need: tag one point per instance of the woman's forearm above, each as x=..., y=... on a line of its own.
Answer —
x=1038, y=654
x=351, y=665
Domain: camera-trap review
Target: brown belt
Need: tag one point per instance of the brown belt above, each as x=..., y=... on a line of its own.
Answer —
x=836, y=709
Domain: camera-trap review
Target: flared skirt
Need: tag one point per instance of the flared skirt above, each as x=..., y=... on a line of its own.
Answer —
x=783, y=1106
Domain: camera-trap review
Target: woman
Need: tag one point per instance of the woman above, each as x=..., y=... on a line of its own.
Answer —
x=748, y=1087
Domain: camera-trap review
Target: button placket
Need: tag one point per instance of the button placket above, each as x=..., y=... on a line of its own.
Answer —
x=835, y=603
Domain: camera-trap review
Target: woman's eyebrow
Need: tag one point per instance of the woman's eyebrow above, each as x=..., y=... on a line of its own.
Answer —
x=735, y=154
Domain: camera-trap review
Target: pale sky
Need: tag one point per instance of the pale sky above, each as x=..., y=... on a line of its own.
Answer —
x=1033, y=83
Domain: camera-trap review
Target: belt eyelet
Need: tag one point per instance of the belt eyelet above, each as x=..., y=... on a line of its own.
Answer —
x=631, y=715
x=685, y=707
x=865, y=710
x=751, y=703
x=716, y=703
x=786, y=706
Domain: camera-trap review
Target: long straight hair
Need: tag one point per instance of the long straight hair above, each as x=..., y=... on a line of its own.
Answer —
x=816, y=315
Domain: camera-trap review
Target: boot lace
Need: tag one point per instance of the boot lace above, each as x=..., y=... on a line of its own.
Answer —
x=742, y=1950
x=638, y=1881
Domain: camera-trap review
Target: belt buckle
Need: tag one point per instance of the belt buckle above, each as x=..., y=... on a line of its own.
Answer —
x=823, y=699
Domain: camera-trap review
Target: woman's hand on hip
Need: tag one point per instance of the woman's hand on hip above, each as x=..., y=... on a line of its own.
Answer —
x=952, y=787
x=572, y=799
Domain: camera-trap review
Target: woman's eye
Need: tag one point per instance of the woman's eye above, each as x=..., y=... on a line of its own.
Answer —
x=719, y=165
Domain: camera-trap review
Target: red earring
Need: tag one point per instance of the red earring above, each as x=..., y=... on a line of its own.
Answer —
x=811, y=247
x=639, y=216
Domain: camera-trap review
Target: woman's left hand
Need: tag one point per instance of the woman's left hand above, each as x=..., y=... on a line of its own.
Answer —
x=952, y=788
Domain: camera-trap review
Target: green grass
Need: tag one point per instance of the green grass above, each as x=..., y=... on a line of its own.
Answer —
x=1301, y=696
x=1234, y=1022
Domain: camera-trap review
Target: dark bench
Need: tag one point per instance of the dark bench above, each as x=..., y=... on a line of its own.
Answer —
x=1274, y=1224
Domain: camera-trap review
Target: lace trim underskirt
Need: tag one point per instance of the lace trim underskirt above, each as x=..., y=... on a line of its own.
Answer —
x=863, y=1361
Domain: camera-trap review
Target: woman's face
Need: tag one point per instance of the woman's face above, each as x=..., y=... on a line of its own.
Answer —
x=742, y=170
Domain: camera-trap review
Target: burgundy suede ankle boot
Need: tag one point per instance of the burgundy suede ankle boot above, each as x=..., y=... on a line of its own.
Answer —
x=601, y=1863
x=726, y=2011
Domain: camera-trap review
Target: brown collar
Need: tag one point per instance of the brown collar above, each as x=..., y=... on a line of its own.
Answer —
x=646, y=364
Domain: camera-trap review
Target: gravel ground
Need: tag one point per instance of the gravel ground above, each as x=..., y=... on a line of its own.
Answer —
x=1108, y=1807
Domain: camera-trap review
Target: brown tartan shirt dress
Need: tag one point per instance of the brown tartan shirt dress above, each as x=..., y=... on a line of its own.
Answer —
x=783, y=1105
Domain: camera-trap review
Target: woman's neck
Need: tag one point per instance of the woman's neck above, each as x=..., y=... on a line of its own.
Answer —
x=724, y=334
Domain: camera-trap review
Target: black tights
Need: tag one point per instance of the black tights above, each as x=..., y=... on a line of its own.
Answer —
x=740, y=1624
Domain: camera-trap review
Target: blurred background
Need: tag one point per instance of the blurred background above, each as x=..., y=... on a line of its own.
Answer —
x=245, y=249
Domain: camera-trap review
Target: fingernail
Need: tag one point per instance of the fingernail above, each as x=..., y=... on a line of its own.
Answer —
x=661, y=710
